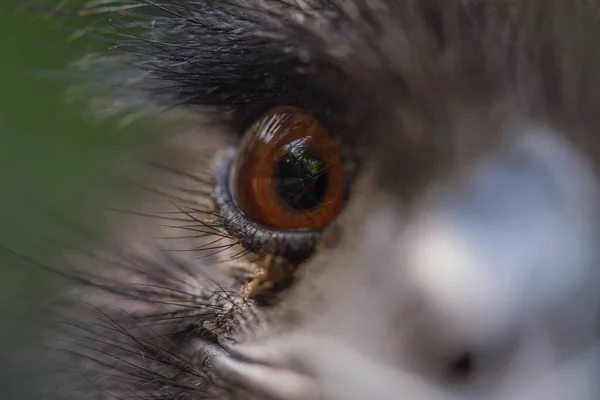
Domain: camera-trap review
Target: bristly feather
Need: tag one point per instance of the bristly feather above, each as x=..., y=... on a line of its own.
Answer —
x=150, y=292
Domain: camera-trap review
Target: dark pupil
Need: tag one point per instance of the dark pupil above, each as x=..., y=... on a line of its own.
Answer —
x=300, y=178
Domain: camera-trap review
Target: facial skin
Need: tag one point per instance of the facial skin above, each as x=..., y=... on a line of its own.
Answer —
x=463, y=264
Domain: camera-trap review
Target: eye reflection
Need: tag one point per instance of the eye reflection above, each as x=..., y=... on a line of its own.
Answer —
x=300, y=177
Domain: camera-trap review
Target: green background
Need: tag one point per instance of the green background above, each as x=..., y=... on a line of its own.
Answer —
x=54, y=161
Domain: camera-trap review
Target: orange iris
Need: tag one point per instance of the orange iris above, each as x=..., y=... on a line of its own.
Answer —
x=289, y=174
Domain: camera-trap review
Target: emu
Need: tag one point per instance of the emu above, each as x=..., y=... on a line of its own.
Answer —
x=352, y=199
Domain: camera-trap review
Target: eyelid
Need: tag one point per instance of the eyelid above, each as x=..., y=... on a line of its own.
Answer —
x=316, y=104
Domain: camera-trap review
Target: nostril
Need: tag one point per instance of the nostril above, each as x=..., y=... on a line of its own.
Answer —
x=462, y=367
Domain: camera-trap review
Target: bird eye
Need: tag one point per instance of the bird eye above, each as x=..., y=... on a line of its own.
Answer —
x=288, y=174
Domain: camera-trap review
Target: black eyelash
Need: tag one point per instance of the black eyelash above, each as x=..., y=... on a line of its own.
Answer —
x=227, y=225
x=295, y=246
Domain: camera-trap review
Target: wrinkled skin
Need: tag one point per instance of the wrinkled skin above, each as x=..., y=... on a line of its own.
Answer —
x=464, y=263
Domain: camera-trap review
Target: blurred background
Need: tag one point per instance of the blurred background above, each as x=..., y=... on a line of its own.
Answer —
x=54, y=160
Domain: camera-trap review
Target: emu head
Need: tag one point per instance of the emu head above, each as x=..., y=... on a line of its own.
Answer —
x=385, y=200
